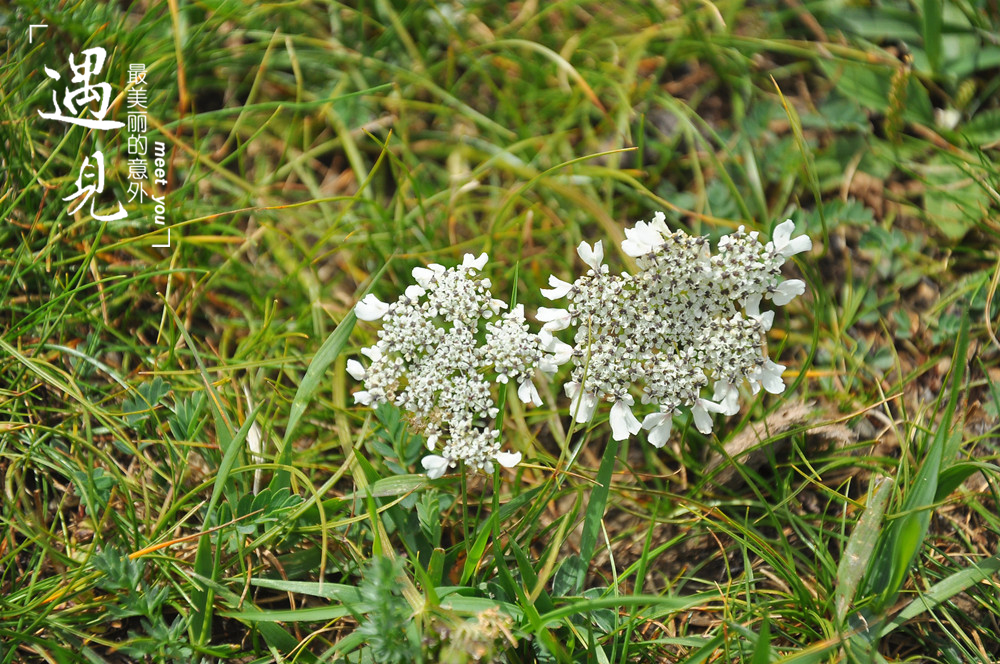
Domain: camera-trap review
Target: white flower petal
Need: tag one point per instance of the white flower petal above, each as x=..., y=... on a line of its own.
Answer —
x=373, y=353
x=508, y=459
x=370, y=308
x=356, y=369
x=770, y=377
x=797, y=246
x=582, y=404
x=700, y=411
x=414, y=292
x=787, y=290
x=434, y=465
x=642, y=239
x=528, y=393
x=728, y=396
x=470, y=261
x=659, y=222
x=559, y=288
x=659, y=426
x=701, y=419
x=782, y=233
x=623, y=422
x=561, y=352
x=425, y=275
x=554, y=319
x=364, y=398
x=592, y=256
x=784, y=245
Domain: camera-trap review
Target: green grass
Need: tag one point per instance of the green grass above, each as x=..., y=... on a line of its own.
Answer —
x=319, y=151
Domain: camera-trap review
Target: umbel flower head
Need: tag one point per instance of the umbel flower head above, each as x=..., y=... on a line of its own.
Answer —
x=685, y=320
x=443, y=347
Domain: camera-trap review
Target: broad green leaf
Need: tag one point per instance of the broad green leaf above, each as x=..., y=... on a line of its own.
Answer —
x=870, y=86
x=858, y=551
x=954, y=200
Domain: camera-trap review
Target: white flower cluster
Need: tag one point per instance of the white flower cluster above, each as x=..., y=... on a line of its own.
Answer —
x=687, y=318
x=429, y=361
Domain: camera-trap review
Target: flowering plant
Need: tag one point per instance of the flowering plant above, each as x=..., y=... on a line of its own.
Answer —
x=441, y=352
x=684, y=319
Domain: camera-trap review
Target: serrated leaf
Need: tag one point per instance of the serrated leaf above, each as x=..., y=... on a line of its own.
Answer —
x=870, y=86
x=954, y=201
x=147, y=396
x=983, y=129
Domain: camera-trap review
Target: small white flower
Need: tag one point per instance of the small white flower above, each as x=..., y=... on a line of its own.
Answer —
x=642, y=239
x=769, y=377
x=414, y=292
x=947, y=118
x=728, y=396
x=561, y=352
x=508, y=459
x=470, y=261
x=784, y=245
x=373, y=353
x=700, y=411
x=356, y=369
x=528, y=393
x=592, y=256
x=425, y=275
x=582, y=404
x=559, y=288
x=370, y=308
x=659, y=426
x=752, y=306
x=623, y=422
x=363, y=397
x=434, y=465
x=787, y=290
x=554, y=319
x=659, y=223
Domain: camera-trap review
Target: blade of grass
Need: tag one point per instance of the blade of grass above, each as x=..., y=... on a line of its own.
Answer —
x=595, y=512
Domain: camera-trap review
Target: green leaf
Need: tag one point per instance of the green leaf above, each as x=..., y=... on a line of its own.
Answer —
x=327, y=353
x=94, y=487
x=870, y=86
x=954, y=200
x=858, y=551
x=944, y=590
x=983, y=129
x=138, y=406
x=932, y=17
x=595, y=510
x=902, y=541
x=952, y=477
x=762, y=653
